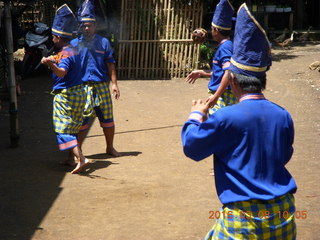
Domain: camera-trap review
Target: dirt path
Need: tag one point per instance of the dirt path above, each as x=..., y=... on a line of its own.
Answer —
x=153, y=191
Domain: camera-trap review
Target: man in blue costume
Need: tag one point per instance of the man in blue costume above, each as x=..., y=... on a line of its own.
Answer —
x=69, y=94
x=220, y=93
x=98, y=68
x=252, y=142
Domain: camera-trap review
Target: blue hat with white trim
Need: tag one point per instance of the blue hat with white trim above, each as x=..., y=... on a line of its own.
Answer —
x=251, y=47
x=86, y=12
x=64, y=22
x=222, y=17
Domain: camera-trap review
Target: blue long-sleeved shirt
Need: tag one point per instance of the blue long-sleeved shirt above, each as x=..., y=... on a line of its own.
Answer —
x=68, y=59
x=95, y=54
x=252, y=142
x=220, y=63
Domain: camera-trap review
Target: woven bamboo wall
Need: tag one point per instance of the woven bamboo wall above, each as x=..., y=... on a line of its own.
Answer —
x=155, y=39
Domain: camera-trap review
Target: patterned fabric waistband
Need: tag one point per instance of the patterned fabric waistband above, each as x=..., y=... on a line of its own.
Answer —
x=256, y=219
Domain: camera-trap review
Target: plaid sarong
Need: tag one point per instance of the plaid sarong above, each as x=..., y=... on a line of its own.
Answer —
x=226, y=99
x=270, y=220
x=68, y=105
x=98, y=95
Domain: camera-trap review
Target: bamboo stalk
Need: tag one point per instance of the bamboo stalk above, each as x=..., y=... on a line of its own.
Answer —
x=178, y=63
x=125, y=36
x=167, y=5
x=159, y=35
x=156, y=19
x=130, y=46
x=171, y=45
x=143, y=35
x=182, y=56
x=200, y=8
x=121, y=36
x=149, y=32
x=137, y=29
x=191, y=45
x=195, y=46
x=174, y=45
x=186, y=61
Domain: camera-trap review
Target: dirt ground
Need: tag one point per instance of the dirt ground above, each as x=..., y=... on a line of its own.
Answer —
x=153, y=191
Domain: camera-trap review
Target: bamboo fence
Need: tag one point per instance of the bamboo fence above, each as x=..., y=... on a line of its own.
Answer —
x=155, y=39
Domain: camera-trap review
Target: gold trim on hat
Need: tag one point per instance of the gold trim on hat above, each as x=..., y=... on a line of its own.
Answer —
x=57, y=31
x=230, y=5
x=88, y=19
x=222, y=28
x=248, y=68
x=67, y=7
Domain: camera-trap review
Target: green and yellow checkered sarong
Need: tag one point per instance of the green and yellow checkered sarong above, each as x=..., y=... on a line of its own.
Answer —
x=68, y=106
x=98, y=95
x=264, y=220
x=226, y=99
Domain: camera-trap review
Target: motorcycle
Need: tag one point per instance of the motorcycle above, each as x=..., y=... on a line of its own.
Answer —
x=38, y=44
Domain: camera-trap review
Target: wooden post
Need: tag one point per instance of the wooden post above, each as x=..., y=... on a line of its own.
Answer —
x=13, y=108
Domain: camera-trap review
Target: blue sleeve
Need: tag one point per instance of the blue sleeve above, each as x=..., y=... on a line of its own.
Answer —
x=290, y=139
x=66, y=63
x=108, y=55
x=74, y=42
x=200, y=140
x=225, y=53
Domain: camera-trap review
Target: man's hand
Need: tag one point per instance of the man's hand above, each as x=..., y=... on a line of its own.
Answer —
x=198, y=105
x=115, y=91
x=193, y=76
x=47, y=61
x=211, y=101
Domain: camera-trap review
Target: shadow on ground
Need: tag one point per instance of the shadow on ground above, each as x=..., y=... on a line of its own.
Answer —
x=29, y=176
x=28, y=188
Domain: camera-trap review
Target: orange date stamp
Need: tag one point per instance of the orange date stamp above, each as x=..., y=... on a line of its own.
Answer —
x=263, y=214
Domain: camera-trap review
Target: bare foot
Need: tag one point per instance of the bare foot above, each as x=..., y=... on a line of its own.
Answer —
x=80, y=166
x=113, y=152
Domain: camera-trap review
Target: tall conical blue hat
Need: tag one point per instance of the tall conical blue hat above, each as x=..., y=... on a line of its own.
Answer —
x=222, y=17
x=64, y=22
x=86, y=12
x=251, y=47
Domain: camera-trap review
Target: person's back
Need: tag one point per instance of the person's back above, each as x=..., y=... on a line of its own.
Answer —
x=251, y=163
